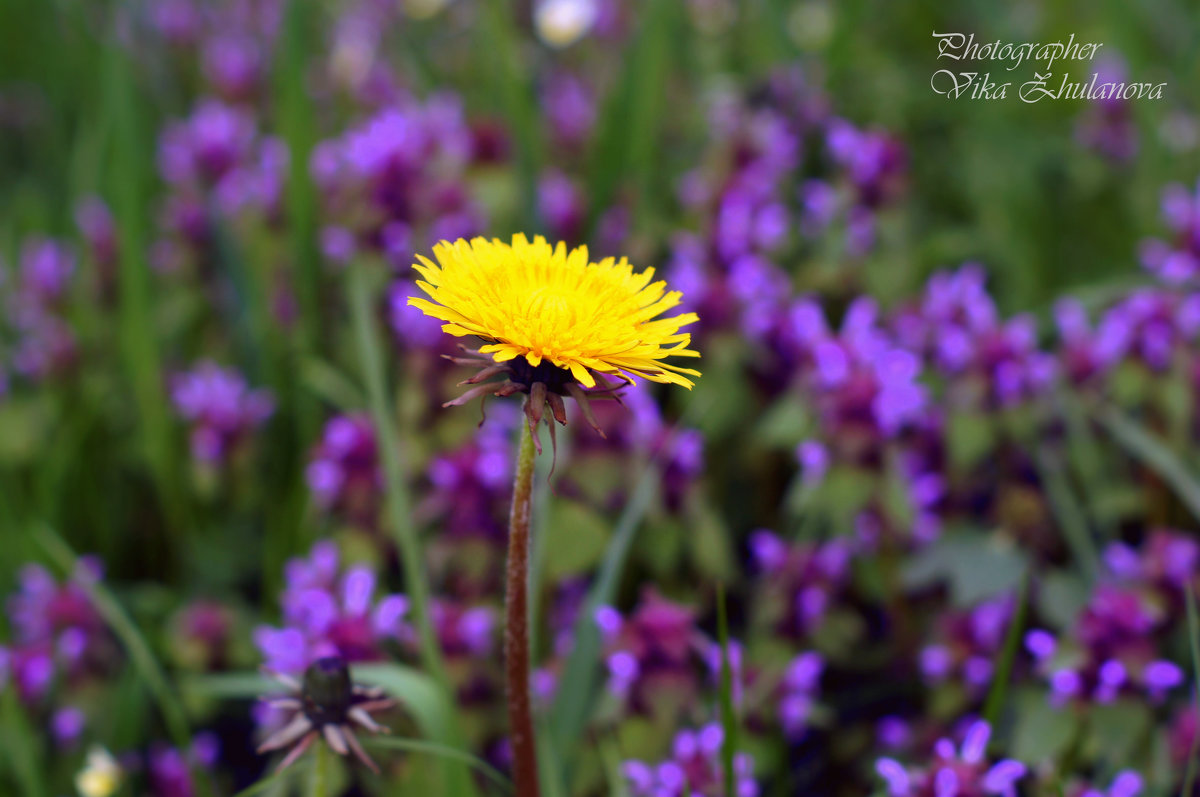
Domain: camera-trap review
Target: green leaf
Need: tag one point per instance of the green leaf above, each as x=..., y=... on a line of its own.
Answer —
x=1061, y=597
x=844, y=493
x=977, y=566
x=418, y=693
x=1042, y=732
x=708, y=542
x=429, y=706
x=1118, y=728
x=969, y=438
x=575, y=540
x=1153, y=453
x=442, y=751
x=725, y=697
x=23, y=427
x=784, y=425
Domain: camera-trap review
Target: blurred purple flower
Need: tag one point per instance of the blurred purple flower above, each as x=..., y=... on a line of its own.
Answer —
x=222, y=410
x=694, y=768
x=329, y=610
x=954, y=772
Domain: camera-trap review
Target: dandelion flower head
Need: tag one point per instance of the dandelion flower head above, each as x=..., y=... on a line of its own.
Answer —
x=552, y=305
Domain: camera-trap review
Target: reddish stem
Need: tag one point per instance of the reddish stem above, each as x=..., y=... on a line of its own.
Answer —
x=516, y=624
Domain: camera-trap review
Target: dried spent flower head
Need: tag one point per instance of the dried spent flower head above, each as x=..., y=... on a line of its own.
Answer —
x=326, y=704
x=554, y=322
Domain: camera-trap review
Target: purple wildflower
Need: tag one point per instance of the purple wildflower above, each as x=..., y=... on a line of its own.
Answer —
x=798, y=690
x=692, y=770
x=570, y=109
x=654, y=651
x=57, y=632
x=329, y=610
x=222, y=410
x=954, y=771
x=967, y=644
x=401, y=171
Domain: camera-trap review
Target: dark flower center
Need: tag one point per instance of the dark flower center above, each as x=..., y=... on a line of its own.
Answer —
x=327, y=692
x=554, y=378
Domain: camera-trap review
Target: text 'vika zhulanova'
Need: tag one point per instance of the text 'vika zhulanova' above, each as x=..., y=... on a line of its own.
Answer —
x=1106, y=82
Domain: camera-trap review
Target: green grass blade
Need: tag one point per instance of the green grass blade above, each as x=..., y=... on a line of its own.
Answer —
x=572, y=707
x=580, y=677
x=442, y=751
x=1068, y=511
x=1085, y=457
x=331, y=385
x=513, y=84
x=1008, y=654
x=630, y=127
x=399, y=501
x=548, y=765
x=229, y=686
x=249, y=325
x=297, y=126
x=21, y=745
x=138, y=344
x=1154, y=454
x=1189, y=779
x=725, y=696
x=140, y=653
x=648, y=105
x=610, y=754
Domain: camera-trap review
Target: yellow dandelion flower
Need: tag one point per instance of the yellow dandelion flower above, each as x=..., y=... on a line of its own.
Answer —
x=544, y=303
x=553, y=320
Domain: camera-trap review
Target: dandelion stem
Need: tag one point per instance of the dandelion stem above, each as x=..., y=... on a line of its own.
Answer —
x=516, y=623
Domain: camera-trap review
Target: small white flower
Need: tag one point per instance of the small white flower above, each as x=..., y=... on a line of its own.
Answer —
x=561, y=23
x=101, y=776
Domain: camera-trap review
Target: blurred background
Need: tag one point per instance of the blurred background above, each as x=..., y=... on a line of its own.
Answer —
x=940, y=472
